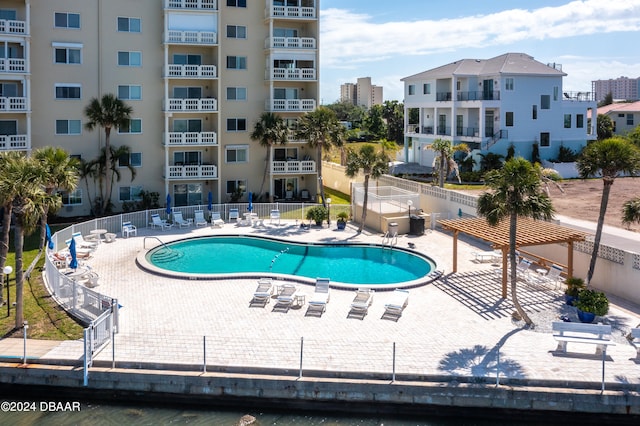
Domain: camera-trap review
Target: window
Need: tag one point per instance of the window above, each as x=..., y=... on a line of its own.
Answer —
x=236, y=153
x=188, y=158
x=236, y=124
x=8, y=90
x=412, y=89
x=8, y=127
x=556, y=90
x=73, y=198
x=534, y=112
x=237, y=3
x=133, y=126
x=236, y=31
x=579, y=121
x=545, y=101
x=130, y=59
x=133, y=159
x=183, y=126
x=68, y=127
x=130, y=92
x=68, y=91
x=285, y=32
x=187, y=92
x=426, y=89
x=184, y=59
x=236, y=93
x=236, y=185
x=283, y=154
x=129, y=25
x=629, y=119
x=508, y=83
x=67, y=55
x=130, y=193
x=8, y=14
x=187, y=194
x=508, y=119
x=67, y=20
x=544, y=139
x=567, y=121
x=237, y=62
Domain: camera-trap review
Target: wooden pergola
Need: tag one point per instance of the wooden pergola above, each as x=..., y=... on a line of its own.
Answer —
x=530, y=232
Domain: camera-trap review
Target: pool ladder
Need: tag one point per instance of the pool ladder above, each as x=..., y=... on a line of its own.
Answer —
x=390, y=239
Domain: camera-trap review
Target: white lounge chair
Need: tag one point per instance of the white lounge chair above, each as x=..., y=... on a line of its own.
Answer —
x=399, y=300
x=198, y=218
x=262, y=295
x=156, y=222
x=275, y=215
x=286, y=297
x=361, y=303
x=128, y=229
x=216, y=220
x=234, y=214
x=81, y=252
x=553, y=276
x=320, y=297
x=81, y=242
x=177, y=218
x=487, y=256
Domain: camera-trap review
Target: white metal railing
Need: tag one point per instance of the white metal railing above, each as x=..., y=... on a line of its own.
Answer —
x=291, y=12
x=13, y=104
x=191, y=4
x=290, y=42
x=293, y=74
x=191, y=138
x=291, y=105
x=191, y=37
x=306, y=166
x=13, y=27
x=206, y=104
x=191, y=71
x=13, y=142
x=209, y=171
x=13, y=65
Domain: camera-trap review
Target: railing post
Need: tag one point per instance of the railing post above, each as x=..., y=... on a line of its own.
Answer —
x=604, y=356
x=87, y=352
x=498, y=368
x=204, y=354
x=393, y=374
x=25, y=327
x=301, y=348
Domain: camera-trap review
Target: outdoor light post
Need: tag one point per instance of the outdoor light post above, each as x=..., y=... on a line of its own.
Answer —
x=329, y=211
x=7, y=270
x=409, y=203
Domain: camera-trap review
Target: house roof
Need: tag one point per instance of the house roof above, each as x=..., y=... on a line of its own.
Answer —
x=508, y=63
x=620, y=107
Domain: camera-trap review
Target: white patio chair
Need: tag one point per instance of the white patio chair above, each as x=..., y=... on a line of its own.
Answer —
x=275, y=215
x=234, y=214
x=177, y=218
x=129, y=229
x=216, y=220
x=199, y=218
x=156, y=222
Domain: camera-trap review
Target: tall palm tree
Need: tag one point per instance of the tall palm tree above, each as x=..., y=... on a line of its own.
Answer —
x=322, y=130
x=270, y=130
x=7, y=194
x=115, y=154
x=608, y=158
x=107, y=112
x=373, y=165
x=89, y=170
x=445, y=150
x=61, y=175
x=516, y=192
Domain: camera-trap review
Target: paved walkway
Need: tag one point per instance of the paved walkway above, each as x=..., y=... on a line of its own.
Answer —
x=458, y=325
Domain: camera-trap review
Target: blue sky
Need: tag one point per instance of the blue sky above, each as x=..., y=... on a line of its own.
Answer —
x=592, y=39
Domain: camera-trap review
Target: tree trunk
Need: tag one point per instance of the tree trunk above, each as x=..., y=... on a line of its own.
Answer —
x=442, y=171
x=364, y=202
x=320, y=180
x=266, y=173
x=106, y=200
x=513, y=224
x=4, y=242
x=596, y=242
x=19, y=246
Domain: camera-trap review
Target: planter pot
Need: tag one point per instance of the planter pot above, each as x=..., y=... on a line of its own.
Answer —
x=341, y=225
x=586, y=317
x=569, y=299
x=318, y=223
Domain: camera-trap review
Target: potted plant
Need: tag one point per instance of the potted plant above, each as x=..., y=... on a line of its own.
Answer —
x=342, y=219
x=317, y=214
x=574, y=285
x=591, y=303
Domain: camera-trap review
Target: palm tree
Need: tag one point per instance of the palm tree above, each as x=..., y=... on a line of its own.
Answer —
x=89, y=170
x=7, y=194
x=373, y=165
x=516, y=192
x=116, y=154
x=270, y=130
x=321, y=129
x=107, y=112
x=445, y=151
x=61, y=174
x=631, y=211
x=608, y=158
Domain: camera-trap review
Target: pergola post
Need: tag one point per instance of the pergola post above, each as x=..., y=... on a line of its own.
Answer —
x=455, y=251
x=569, y=259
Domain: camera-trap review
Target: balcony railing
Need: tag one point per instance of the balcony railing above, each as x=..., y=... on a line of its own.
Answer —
x=13, y=104
x=444, y=130
x=192, y=172
x=478, y=95
x=13, y=27
x=13, y=65
x=291, y=105
x=290, y=43
x=191, y=37
x=207, y=104
x=293, y=166
x=191, y=71
x=191, y=4
x=579, y=96
x=191, y=138
x=293, y=74
x=470, y=132
x=13, y=142
x=292, y=12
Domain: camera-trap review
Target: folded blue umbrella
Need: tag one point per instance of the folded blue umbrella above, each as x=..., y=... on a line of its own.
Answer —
x=74, y=259
x=49, y=241
x=168, y=203
x=250, y=208
x=210, y=201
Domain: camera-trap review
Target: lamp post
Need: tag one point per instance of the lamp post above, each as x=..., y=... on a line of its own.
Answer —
x=329, y=211
x=409, y=203
x=7, y=270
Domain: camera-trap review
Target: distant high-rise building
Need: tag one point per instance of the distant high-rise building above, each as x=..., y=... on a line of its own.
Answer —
x=361, y=93
x=620, y=88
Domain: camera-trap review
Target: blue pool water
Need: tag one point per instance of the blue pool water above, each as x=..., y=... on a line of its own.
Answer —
x=354, y=264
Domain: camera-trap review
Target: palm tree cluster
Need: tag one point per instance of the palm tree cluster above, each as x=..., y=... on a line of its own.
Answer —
x=29, y=191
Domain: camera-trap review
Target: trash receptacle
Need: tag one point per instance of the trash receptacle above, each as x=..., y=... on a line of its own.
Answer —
x=392, y=228
x=416, y=225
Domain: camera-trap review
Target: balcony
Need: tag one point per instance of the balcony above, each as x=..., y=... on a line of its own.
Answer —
x=191, y=4
x=292, y=74
x=13, y=65
x=191, y=71
x=13, y=104
x=478, y=96
x=293, y=167
x=191, y=138
x=191, y=37
x=292, y=12
x=290, y=43
x=192, y=172
x=579, y=96
x=290, y=105
x=13, y=27
x=193, y=105
x=13, y=142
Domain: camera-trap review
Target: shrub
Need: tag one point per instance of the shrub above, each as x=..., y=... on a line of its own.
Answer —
x=471, y=176
x=551, y=174
x=574, y=285
x=317, y=214
x=566, y=155
x=592, y=301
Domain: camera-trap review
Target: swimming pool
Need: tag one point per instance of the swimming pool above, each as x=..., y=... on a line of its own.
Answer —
x=348, y=265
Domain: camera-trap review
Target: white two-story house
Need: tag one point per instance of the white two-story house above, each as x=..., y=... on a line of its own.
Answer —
x=490, y=104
